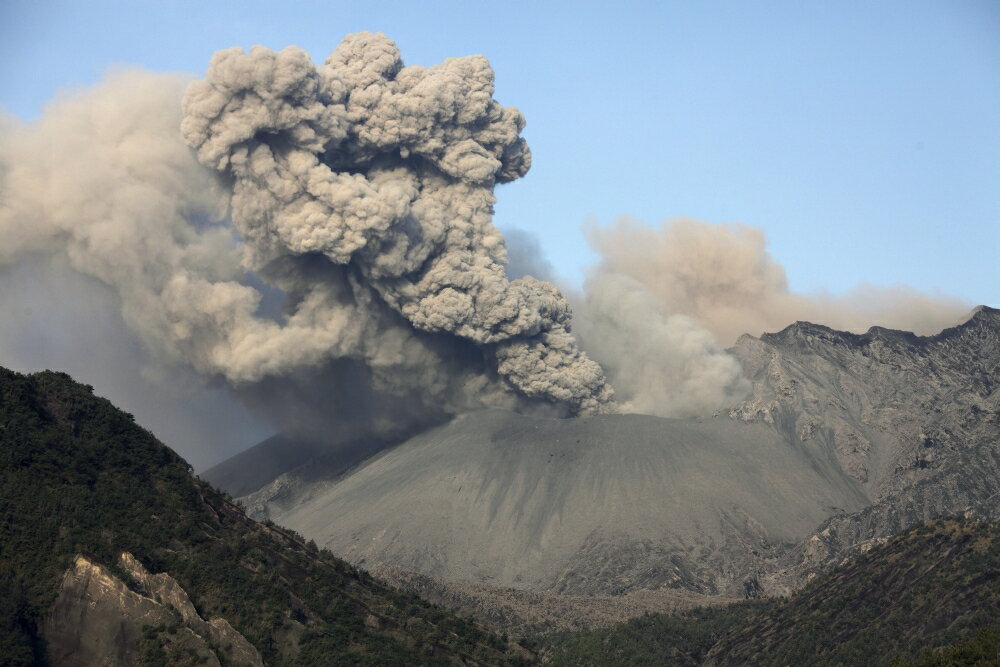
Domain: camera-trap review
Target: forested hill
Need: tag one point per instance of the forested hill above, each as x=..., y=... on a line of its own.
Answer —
x=83, y=489
x=930, y=596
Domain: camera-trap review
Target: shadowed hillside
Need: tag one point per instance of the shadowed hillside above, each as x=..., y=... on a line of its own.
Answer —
x=103, y=530
x=929, y=596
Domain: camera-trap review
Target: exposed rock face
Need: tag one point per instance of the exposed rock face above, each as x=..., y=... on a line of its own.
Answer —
x=915, y=419
x=98, y=619
x=845, y=440
x=890, y=405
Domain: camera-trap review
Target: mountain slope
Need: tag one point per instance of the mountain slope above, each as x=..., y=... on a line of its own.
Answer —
x=929, y=586
x=915, y=420
x=892, y=406
x=80, y=484
x=595, y=505
x=845, y=441
x=935, y=586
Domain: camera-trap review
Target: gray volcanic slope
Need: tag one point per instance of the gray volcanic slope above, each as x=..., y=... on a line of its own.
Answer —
x=602, y=504
x=845, y=440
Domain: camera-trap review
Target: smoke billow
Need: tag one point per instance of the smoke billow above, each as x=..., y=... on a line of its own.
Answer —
x=659, y=304
x=725, y=280
x=334, y=217
x=386, y=174
x=660, y=363
x=319, y=239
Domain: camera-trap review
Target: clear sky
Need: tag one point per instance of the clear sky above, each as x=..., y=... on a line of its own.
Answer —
x=863, y=137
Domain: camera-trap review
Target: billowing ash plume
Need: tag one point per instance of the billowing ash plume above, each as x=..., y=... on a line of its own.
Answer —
x=723, y=278
x=661, y=303
x=318, y=239
x=384, y=173
x=660, y=363
x=335, y=241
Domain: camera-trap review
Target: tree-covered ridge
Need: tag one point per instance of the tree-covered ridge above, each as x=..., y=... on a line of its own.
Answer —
x=934, y=585
x=930, y=596
x=681, y=639
x=78, y=476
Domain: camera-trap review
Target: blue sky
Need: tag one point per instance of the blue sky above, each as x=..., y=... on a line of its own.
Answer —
x=863, y=137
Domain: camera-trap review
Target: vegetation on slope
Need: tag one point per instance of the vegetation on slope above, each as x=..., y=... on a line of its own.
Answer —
x=934, y=585
x=682, y=638
x=930, y=596
x=78, y=476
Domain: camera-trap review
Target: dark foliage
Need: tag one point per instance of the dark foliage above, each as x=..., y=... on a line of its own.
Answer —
x=932, y=586
x=78, y=476
x=930, y=596
x=655, y=639
x=981, y=649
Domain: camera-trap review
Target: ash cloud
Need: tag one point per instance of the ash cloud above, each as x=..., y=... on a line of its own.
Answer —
x=662, y=303
x=660, y=363
x=385, y=173
x=317, y=241
x=723, y=278
x=295, y=229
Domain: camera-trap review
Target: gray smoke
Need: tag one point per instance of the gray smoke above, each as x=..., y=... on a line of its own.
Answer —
x=723, y=278
x=525, y=256
x=385, y=173
x=329, y=235
x=660, y=363
x=318, y=240
x=662, y=303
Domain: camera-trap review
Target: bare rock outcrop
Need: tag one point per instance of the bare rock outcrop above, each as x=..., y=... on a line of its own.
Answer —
x=915, y=420
x=99, y=619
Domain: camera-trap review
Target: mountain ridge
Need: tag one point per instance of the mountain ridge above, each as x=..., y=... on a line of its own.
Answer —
x=910, y=420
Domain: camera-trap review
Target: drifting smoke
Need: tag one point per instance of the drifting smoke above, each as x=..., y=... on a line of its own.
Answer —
x=319, y=240
x=722, y=277
x=661, y=301
x=659, y=363
x=384, y=176
x=333, y=217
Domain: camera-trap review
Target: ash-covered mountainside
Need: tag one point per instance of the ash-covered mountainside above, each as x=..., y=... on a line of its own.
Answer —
x=597, y=505
x=915, y=420
x=889, y=404
x=112, y=553
x=846, y=439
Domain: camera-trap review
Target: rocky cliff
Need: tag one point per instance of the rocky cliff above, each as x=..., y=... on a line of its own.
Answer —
x=915, y=420
x=99, y=619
